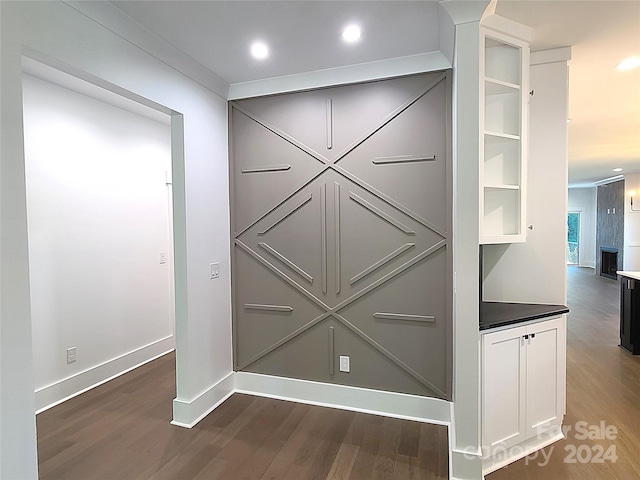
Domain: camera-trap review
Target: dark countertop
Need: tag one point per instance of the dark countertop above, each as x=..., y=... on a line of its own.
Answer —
x=499, y=314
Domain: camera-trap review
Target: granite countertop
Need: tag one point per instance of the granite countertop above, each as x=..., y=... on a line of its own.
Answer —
x=499, y=314
x=634, y=275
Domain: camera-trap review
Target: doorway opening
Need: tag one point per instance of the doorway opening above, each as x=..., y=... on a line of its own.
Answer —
x=100, y=226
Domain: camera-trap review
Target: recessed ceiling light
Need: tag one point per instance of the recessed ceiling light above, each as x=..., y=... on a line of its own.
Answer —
x=351, y=33
x=617, y=169
x=259, y=50
x=629, y=63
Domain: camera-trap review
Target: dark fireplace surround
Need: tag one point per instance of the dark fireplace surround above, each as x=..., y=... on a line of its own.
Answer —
x=609, y=262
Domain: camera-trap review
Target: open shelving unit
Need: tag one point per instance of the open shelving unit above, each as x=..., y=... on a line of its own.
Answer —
x=504, y=71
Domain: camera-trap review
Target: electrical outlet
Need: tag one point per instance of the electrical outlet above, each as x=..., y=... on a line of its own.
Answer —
x=71, y=355
x=163, y=258
x=214, y=270
x=344, y=363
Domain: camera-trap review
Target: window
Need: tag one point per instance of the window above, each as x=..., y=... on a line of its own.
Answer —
x=573, y=238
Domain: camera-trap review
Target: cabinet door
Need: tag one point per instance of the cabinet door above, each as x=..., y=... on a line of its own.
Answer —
x=503, y=389
x=545, y=376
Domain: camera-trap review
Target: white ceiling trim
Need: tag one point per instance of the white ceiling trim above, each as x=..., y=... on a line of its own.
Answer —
x=501, y=24
x=465, y=11
x=112, y=18
x=562, y=54
x=363, y=72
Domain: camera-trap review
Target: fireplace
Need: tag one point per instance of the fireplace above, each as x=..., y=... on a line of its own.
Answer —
x=609, y=262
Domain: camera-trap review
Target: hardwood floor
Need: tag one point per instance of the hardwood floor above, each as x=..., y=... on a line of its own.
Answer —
x=603, y=389
x=121, y=430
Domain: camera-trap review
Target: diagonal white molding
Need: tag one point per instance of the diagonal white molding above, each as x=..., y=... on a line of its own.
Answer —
x=118, y=22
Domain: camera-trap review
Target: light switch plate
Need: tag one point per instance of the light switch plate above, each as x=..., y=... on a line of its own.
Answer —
x=71, y=355
x=214, y=270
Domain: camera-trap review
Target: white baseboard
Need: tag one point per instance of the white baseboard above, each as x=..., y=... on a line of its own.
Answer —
x=465, y=465
x=588, y=264
x=376, y=402
x=186, y=413
x=66, y=388
x=510, y=455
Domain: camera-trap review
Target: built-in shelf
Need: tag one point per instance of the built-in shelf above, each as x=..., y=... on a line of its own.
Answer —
x=493, y=86
x=499, y=136
x=502, y=187
x=502, y=58
x=504, y=73
x=501, y=163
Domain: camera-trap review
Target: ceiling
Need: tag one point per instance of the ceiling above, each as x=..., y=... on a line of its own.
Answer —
x=304, y=36
x=604, y=103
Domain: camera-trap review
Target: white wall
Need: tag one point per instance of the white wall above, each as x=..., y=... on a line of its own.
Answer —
x=535, y=271
x=98, y=221
x=58, y=33
x=632, y=223
x=583, y=200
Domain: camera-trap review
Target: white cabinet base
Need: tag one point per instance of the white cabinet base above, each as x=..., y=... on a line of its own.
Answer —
x=504, y=457
x=523, y=390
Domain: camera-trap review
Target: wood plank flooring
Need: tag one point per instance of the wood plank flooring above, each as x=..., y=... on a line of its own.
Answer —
x=603, y=388
x=121, y=431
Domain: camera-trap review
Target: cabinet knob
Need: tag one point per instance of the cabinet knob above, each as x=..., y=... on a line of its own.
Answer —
x=526, y=337
x=533, y=335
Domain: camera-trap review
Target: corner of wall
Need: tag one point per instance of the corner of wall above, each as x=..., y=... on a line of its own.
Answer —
x=466, y=465
x=187, y=413
x=466, y=406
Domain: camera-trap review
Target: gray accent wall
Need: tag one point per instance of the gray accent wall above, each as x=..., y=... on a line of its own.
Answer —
x=610, y=220
x=341, y=210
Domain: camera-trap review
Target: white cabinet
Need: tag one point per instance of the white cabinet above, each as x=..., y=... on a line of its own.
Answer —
x=503, y=388
x=523, y=390
x=503, y=147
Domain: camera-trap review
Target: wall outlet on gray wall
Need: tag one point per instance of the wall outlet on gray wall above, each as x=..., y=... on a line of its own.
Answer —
x=345, y=364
